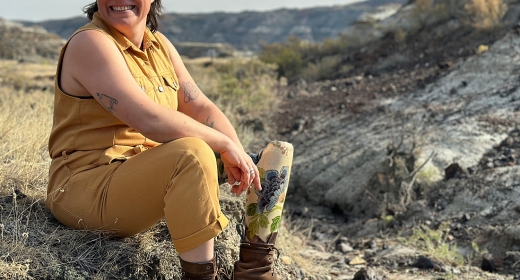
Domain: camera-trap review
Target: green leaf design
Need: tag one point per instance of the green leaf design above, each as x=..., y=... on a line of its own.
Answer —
x=253, y=229
x=262, y=174
x=251, y=209
x=264, y=221
x=276, y=223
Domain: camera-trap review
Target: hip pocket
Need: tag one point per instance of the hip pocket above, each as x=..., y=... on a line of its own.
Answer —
x=79, y=202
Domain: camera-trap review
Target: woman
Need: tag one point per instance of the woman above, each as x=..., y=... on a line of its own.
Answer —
x=129, y=144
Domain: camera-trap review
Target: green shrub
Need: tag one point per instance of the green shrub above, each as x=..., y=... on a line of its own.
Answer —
x=323, y=69
x=433, y=243
x=288, y=56
x=298, y=59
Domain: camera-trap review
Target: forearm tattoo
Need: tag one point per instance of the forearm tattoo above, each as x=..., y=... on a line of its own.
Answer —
x=191, y=92
x=207, y=122
x=107, y=101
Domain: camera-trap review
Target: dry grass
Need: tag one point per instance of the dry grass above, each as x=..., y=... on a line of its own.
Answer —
x=477, y=14
x=486, y=14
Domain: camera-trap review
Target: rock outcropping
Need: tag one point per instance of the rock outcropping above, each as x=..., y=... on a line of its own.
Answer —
x=27, y=43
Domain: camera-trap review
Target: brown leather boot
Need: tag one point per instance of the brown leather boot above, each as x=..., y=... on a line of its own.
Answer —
x=256, y=261
x=202, y=271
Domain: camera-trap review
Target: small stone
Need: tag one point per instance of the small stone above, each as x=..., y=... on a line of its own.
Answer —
x=373, y=245
x=455, y=270
x=361, y=275
x=357, y=261
x=423, y=263
x=345, y=248
x=487, y=212
x=488, y=265
x=286, y=260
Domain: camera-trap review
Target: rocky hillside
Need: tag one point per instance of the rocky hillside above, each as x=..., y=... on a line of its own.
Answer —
x=30, y=43
x=420, y=141
x=245, y=30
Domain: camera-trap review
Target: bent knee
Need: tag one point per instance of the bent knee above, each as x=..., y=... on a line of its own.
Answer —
x=196, y=148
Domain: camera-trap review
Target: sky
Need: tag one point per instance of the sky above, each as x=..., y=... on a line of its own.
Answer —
x=38, y=10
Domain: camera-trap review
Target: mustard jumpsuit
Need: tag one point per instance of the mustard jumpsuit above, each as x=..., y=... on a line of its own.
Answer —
x=105, y=175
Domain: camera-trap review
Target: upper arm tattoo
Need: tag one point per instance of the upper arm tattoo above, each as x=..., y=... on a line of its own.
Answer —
x=207, y=122
x=191, y=92
x=107, y=101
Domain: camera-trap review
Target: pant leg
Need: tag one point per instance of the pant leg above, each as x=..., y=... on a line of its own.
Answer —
x=176, y=181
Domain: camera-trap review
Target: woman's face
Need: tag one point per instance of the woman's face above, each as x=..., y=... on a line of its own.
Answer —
x=124, y=14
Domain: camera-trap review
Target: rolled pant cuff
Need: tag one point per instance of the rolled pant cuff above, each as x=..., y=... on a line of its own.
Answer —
x=193, y=241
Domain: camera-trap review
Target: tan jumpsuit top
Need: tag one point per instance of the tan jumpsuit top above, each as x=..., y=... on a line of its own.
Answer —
x=105, y=175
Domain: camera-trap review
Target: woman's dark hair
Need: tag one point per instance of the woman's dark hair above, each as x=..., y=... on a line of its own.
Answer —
x=151, y=18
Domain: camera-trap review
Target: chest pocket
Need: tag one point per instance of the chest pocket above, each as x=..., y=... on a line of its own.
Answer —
x=171, y=89
x=163, y=89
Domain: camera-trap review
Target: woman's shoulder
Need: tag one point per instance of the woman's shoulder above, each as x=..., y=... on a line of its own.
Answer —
x=91, y=42
x=88, y=28
x=89, y=36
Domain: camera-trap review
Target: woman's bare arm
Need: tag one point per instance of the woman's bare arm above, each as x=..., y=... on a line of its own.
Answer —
x=194, y=103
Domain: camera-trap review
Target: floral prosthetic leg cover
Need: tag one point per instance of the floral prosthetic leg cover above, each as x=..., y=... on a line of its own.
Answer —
x=264, y=208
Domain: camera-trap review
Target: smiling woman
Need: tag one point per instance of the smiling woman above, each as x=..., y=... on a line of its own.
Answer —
x=129, y=144
x=151, y=19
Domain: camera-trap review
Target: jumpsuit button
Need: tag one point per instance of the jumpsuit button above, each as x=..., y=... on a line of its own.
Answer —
x=143, y=88
x=161, y=89
x=175, y=84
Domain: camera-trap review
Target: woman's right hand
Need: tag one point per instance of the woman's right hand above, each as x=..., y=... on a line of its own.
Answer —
x=238, y=165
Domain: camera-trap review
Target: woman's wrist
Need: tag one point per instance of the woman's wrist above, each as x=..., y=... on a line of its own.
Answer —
x=224, y=144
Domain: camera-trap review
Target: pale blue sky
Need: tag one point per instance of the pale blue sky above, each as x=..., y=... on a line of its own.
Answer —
x=36, y=10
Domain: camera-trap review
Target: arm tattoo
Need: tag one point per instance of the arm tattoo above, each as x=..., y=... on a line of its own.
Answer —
x=107, y=101
x=191, y=92
x=208, y=123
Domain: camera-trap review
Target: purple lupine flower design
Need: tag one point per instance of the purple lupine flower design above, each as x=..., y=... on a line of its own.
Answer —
x=274, y=185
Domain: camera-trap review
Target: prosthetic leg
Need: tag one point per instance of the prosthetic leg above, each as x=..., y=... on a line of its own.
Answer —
x=264, y=213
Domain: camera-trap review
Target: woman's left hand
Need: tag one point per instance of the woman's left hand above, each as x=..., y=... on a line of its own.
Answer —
x=241, y=171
